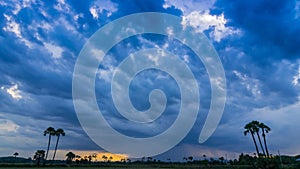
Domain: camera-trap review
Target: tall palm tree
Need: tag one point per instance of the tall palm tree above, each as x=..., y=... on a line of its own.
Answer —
x=59, y=132
x=49, y=131
x=249, y=128
x=256, y=130
x=265, y=129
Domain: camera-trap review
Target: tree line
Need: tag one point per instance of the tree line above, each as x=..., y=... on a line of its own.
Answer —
x=256, y=129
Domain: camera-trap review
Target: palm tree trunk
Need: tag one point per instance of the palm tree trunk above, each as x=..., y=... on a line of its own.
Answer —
x=261, y=146
x=49, y=140
x=252, y=134
x=38, y=161
x=56, y=147
x=265, y=142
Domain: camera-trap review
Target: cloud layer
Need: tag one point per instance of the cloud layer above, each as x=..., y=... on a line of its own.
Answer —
x=257, y=42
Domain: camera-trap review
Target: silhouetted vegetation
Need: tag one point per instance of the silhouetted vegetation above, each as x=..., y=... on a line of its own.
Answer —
x=49, y=131
x=70, y=156
x=59, y=132
x=254, y=128
x=244, y=161
x=259, y=160
x=39, y=156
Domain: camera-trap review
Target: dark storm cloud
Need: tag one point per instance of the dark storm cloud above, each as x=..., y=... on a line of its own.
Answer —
x=268, y=39
x=268, y=24
x=31, y=73
x=259, y=65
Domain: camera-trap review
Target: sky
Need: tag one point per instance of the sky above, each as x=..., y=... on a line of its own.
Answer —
x=257, y=43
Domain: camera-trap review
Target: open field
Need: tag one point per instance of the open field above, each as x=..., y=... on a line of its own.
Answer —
x=140, y=167
x=134, y=167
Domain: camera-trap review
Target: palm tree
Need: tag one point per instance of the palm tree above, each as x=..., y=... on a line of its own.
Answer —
x=265, y=129
x=70, y=156
x=104, y=157
x=256, y=130
x=16, y=154
x=184, y=159
x=39, y=156
x=94, y=155
x=110, y=158
x=77, y=157
x=90, y=158
x=250, y=128
x=123, y=160
x=59, y=132
x=50, y=131
x=221, y=159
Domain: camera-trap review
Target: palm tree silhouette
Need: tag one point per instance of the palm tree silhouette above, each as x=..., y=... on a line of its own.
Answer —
x=16, y=154
x=251, y=128
x=104, y=157
x=70, y=156
x=110, y=158
x=94, y=155
x=256, y=129
x=59, y=132
x=265, y=129
x=184, y=159
x=51, y=132
x=39, y=156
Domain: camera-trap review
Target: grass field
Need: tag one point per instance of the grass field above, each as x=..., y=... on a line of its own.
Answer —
x=136, y=167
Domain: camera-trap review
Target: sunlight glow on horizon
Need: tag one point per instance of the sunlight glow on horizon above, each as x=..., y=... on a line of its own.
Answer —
x=61, y=155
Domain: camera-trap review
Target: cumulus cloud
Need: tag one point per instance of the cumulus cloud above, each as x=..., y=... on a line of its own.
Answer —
x=55, y=51
x=12, y=26
x=13, y=91
x=107, y=73
x=197, y=15
x=252, y=85
x=62, y=6
x=100, y=6
x=296, y=78
x=202, y=21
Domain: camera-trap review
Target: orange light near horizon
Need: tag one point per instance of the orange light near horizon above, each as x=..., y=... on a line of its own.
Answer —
x=82, y=154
